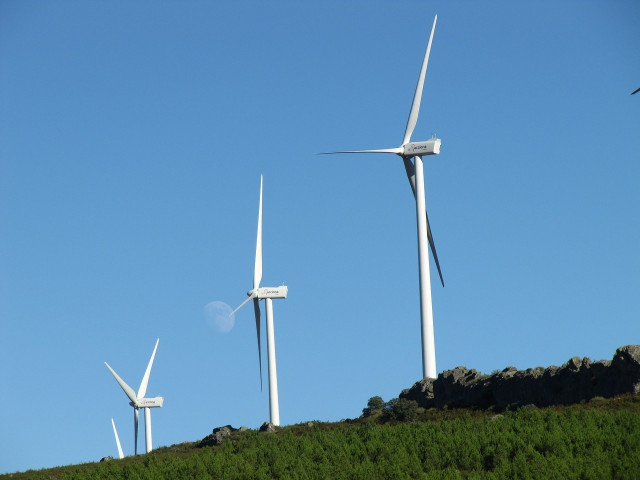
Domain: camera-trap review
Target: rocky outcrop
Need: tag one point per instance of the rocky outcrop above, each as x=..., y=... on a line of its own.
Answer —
x=219, y=435
x=577, y=380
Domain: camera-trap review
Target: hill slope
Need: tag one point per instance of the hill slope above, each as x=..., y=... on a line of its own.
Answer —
x=598, y=439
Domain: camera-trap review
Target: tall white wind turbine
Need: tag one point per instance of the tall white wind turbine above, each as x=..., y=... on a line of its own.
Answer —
x=139, y=401
x=115, y=432
x=267, y=293
x=415, y=173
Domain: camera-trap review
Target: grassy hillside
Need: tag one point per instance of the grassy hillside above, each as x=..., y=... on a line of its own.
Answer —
x=599, y=439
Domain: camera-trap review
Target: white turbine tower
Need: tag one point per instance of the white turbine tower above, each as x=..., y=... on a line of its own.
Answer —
x=267, y=293
x=415, y=173
x=138, y=401
x=115, y=432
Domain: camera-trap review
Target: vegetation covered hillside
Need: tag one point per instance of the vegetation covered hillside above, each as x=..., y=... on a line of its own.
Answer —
x=599, y=439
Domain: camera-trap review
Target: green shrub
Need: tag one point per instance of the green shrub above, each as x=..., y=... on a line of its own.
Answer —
x=374, y=404
x=401, y=409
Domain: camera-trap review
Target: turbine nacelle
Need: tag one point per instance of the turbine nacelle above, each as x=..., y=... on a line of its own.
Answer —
x=148, y=402
x=264, y=292
x=269, y=292
x=430, y=147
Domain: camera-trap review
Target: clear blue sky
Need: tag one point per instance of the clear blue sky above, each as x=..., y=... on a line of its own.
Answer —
x=133, y=135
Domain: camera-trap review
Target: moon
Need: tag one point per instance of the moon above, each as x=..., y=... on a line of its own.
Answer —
x=219, y=317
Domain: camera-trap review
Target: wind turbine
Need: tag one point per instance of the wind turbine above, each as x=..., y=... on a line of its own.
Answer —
x=115, y=432
x=415, y=174
x=138, y=401
x=267, y=293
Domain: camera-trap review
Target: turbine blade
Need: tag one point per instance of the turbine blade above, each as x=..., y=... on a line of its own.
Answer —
x=396, y=150
x=433, y=248
x=135, y=430
x=257, y=269
x=417, y=98
x=411, y=174
x=127, y=389
x=142, y=391
x=243, y=304
x=115, y=432
x=256, y=309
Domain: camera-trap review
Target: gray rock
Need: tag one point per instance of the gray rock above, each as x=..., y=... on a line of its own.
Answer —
x=459, y=387
x=268, y=427
x=626, y=365
x=574, y=363
x=106, y=459
x=219, y=435
x=421, y=392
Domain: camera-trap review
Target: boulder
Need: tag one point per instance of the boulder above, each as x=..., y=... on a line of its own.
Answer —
x=219, y=435
x=268, y=427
